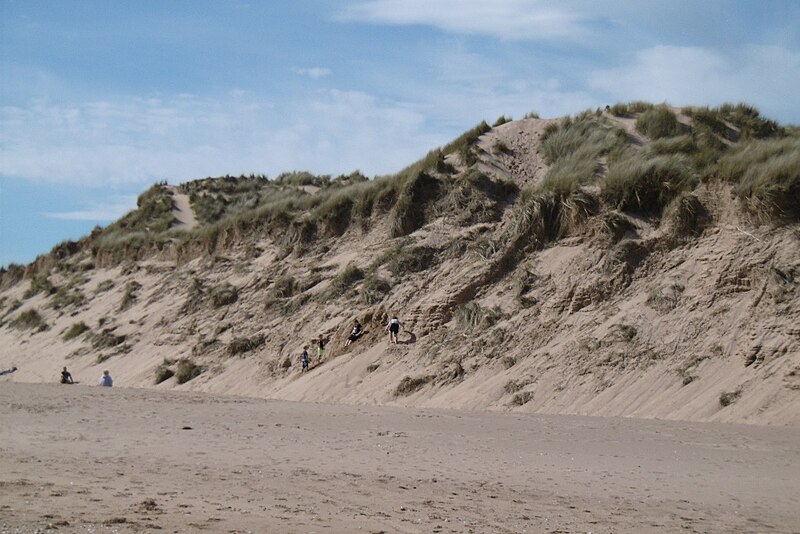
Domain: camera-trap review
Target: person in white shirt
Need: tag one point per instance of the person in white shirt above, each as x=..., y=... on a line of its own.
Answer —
x=394, y=328
x=106, y=379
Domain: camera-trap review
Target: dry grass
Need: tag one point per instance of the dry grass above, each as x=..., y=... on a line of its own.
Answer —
x=726, y=398
x=409, y=385
x=766, y=176
x=224, y=294
x=658, y=122
x=75, y=330
x=646, y=184
x=242, y=345
x=187, y=370
x=29, y=320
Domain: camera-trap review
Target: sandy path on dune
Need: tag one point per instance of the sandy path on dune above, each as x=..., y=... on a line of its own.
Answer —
x=89, y=459
x=182, y=210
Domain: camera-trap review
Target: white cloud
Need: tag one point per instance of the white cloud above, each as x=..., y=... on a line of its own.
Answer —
x=504, y=19
x=135, y=141
x=314, y=72
x=99, y=212
x=765, y=76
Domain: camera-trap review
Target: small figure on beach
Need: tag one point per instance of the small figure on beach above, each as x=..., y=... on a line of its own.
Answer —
x=66, y=377
x=393, y=328
x=304, y=359
x=106, y=380
x=355, y=333
x=7, y=371
x=320, y=348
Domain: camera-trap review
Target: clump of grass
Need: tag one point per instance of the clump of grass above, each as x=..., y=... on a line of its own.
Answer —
x=535, y=219
x=408, y=213
x=29, y=320
x=502, y=119
x=512, y=386
x=11, y=275
x=223, y=295
x=624, y=110
x=336, y=212
x=585, y=138
x=241, y=345
x=106, y=339
x=345, y=281
x=187, y=370
x=409, y=385
x=412, y=259
x=40, y=284
x=766, y=176
x=75, y=330
x=687, y=216
x=509, y=362
x=486, y=247
x=130, y=295
x=726, y=398
x=373, y=289
x=523, y=397
x=472, y=315
x=371, y=368
x=658, y=122
x=163, y=372
x=644, y=184
x=284, y=287
x=65, y=298
x=104, y=286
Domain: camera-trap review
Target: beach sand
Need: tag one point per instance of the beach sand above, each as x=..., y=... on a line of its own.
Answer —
x=88, y=459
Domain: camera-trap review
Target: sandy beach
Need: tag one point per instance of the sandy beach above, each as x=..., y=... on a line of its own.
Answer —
x=88, y=459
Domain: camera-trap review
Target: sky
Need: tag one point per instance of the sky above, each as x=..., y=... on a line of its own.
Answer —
x=101, y=99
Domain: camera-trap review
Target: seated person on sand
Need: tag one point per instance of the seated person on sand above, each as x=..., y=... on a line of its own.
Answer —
x=66, y=378
x=7, y=371
x=106, y=380
x=354, y=334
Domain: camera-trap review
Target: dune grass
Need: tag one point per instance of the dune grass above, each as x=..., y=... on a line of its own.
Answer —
x=766, y=175
x=29, y=320
x=573, y=150
x=645, y=184
x=658, y=122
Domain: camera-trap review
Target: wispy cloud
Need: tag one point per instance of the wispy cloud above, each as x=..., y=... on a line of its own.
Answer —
x=503, y=19
x=314, y=72
x=99, y=212
x=766, y=76
x=140, y=140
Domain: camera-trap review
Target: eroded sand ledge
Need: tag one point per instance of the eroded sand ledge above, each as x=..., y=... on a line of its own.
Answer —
x=88, y=459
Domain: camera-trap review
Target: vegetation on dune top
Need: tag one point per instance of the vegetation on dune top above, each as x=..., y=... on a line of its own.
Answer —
x=733, y=143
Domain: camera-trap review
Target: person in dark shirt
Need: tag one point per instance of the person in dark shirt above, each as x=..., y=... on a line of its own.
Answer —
x=355, y=333
x=66, y=377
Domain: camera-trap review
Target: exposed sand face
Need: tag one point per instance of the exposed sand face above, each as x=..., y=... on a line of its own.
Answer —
x=90, y=459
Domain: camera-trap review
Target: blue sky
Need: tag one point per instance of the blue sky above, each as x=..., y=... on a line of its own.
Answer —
x=100, y=99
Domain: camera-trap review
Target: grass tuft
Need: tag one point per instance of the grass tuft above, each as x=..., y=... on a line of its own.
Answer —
x=646, y=184
x=658, y=122
x=75, y=330
x=187, y=370
x=409, y=385
x=29, y=320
